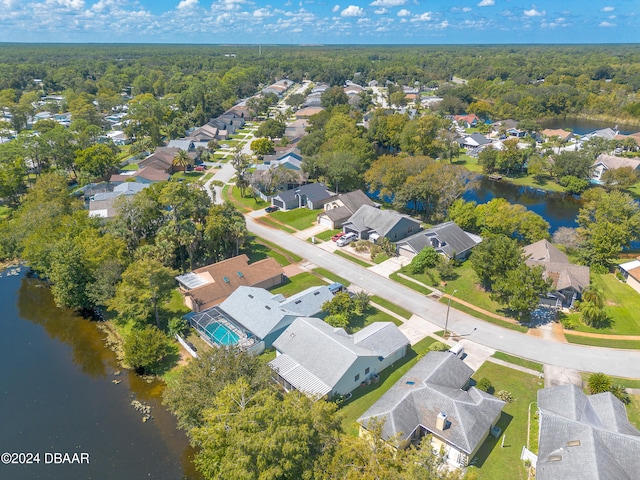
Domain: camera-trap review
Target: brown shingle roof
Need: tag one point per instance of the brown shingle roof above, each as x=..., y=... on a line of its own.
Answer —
x=556, y=132
x=219, y=280
x=612, y=162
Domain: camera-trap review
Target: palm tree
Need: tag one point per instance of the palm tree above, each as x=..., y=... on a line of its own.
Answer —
x=593, y=295
x=181, y=159
x=599, y=383
x=591, y=314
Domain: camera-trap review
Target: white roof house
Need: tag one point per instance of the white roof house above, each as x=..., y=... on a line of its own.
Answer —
x=320, y=360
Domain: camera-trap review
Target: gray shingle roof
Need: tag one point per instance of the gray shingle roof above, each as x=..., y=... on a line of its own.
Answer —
x=557, y=266
x=380, y=221
x=259, y=311
x=313, y=191
x=435, y=384
x=586, y=437
x=327, y=352
x=449, y=238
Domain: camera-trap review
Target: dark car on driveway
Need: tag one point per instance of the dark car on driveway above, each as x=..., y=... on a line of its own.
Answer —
x=272, y=208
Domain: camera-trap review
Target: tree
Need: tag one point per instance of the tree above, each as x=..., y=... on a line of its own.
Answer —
x=488, y=158
x=262, y=146
x=295, y=100
x=338, y=320
x=574, y=185
x=494, y=258
x=146, y=348
x=334, y=96
x=225, y=232
x=96, y=160
x=498, y=216
x=69, y=275
x=578, y=164
x=271, y=128
x=145, y=285
x=608, y=222
x=241, y=164
x=260, y=435
x=620, y=178
x=425, y=259
x=361, y=301
x=568, y=237
x=195, y=387
x=399, y=99
x=181, y=160
x=340, y=304
x=599, y=383
x=539, y=167
x=591, y=314
x=521, y=288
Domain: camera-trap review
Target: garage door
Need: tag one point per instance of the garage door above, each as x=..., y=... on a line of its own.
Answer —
x=325, y=221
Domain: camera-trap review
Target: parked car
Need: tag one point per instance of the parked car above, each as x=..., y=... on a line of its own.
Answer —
x=346, y=239
x=338, y=236
x=272, y=208
x=199, y=168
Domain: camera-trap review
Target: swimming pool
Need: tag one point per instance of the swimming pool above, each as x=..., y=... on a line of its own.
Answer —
x=221, y=334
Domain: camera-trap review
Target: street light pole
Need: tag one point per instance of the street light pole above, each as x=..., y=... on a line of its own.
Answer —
x=446, y=323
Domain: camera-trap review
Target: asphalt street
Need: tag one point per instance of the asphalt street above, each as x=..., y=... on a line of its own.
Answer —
x=623, y=363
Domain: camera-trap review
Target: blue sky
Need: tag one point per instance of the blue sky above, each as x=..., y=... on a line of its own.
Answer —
x=321, y=21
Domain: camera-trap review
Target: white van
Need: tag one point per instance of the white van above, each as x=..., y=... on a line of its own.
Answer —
x=457, y=350
x=346, y=239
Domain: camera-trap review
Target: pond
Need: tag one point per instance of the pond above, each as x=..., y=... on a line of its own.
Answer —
x=62, y=393
x=582, y=127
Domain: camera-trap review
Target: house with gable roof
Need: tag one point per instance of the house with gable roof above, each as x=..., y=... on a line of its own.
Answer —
x=585, y=436
x=311, y=196
x=371, y=223
x=323, y=361
x=630, y=271
x=606, y=162
x=447, y=239
x=210, y=285
x=569, y=280
x=339, y=208
x=435, y=398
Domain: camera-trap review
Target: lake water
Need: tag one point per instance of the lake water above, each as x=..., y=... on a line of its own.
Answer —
x=582, y=127
x=560, y=210
x=58, y=395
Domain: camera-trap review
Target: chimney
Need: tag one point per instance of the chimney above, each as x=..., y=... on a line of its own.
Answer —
x=441, y=421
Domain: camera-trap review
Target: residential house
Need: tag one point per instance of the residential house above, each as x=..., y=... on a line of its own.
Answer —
x=371, y=223
x=322, y=361
x=341, y=207
x=606, y=133
x=606, y=162
x=516, y=133
x=278, y=88
x=563, y=135
x=151, y=174
x=473, y=141
x=101, y=204
x=296, y=130
x=312, y=195
x=569, y=280
x=208, y=286
x=185, y=144
x=631, y=273
x=585, y=436
x=291, y=159
x=205, y=133
x=447, y=239
x=228, y=123
x=467, y=121
x=252, y=318
x=435, y=398
x=308, y=112
x=504, y=125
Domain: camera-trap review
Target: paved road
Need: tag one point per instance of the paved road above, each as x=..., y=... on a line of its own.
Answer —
x=623, y=363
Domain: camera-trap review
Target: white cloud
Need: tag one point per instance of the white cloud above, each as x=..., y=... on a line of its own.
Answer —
x=443, y=25
x=424, y=17
x=262, y=13
x=381, y=11
x=74, y=4
x=606, y=24
x=335, y=9
x=534, y=13
x=404, y=13
x=387, y=3
x=467, y=9
x=352, y=11
x=608, y=9
x=184, y=4
x=487, y=3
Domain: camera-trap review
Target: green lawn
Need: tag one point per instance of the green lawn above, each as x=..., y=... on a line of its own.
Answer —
x=187, y=175
x=381, y=257
x=371, y=315
x=633, y=410
x=129, y=167
x=292, y=256
x=622, y=304
x=206, y=177
x=391, y=306
x=247, y=201
x=259, y=251
x=603, y=342
x=486, y=318
x=363, y=397
x=357, y=260
x=518, y=361
x=332, y=276
x=408, y=283
x=300, y=218
x=278, y=225
x=327, y=234
x=625, y=382
x=297, y=284
x=495, y=462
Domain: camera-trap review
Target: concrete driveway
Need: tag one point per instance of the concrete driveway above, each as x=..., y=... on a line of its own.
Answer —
x=389, y=266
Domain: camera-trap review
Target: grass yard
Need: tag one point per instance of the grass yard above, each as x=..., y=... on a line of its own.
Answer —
x=363, y=397
x=331, y=276
x=625, y=382
x=130, y=167
x=294, y=258
x=633, y=410
x=327, y=234
x=278, y=225
x=391, y=306
x=297, y=284
x=260, y=251
x=381, y=257
x=300, y=218
x=206, y=177
x=176, y=305
x=187, y=175
x=486, y=318
x=248, y=202
x=409, y=284
x=538, y=367
x=495, y=462
x=357, y=260
x=622, y=304
x=603, y=342
x=371, y=315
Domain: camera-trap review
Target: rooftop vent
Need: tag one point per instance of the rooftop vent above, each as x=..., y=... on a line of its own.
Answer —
x=297, y=302
x=441, y=421
x=240, y=274
x=554, y=458
x=226, y=279
x=250, y=296
x=267, y=307
x=316, y=293
x=573, y=443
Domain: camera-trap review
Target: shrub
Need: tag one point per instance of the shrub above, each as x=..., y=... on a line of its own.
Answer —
x=438, y=347
x=620, y=393
x=569, y=323
x=599, y=383
x=505, y=396
x=145, y=349
x=485, y=385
